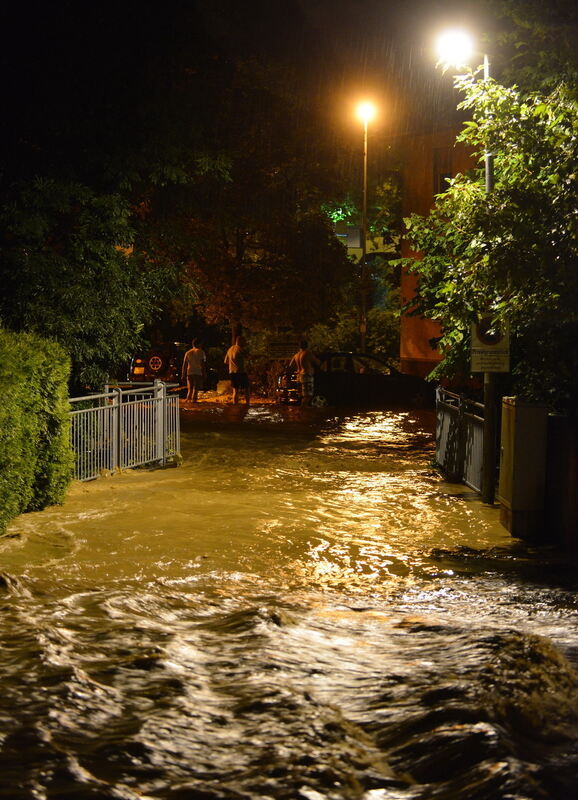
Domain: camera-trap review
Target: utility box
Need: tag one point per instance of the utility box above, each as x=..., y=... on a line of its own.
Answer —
x=523, y=444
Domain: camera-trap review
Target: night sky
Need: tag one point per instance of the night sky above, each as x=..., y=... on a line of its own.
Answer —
x=99, y=69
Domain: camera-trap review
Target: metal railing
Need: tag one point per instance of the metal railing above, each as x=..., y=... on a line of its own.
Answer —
x=459, y=438
x=120, y=429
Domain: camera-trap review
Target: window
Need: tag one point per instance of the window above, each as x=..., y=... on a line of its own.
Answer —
x=444, y=182
x=368, y=365
x=442, y=168
x=339, y=364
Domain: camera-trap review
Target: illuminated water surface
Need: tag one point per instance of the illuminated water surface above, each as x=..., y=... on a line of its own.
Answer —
x=303, y=609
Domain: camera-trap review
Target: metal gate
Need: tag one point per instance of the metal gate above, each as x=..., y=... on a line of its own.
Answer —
x=119, y=429
x=459, y=438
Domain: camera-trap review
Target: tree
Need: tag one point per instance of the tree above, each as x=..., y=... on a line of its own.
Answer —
x=188, y=149
x=248, y=232
x=67, y=273
x=284, y=273
x=512, y=253
x=341, y=330
x=534, y=42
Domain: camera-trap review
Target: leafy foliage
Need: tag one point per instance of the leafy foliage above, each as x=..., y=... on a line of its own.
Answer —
x=289, y=276
x=252, y=244
x=68, y=273
x=383, y=213
x=535, y=42
x=512, y=252
x=342, y=332
x=35, y=454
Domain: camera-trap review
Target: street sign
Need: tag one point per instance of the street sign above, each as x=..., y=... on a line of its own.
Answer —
x=350, y=236
x=490, y=350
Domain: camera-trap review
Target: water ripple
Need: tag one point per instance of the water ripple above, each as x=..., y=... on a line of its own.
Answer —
x=302, y=610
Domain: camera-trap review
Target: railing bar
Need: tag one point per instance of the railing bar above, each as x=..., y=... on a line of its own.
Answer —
x=469, y=415
x=447, y=393
x=442, y=404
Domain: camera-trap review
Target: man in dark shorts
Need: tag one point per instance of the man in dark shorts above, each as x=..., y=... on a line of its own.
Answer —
x=194, y=371
x=235, y=361
x=304, y=361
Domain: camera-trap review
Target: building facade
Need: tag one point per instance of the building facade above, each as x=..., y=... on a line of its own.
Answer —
x=428, y=160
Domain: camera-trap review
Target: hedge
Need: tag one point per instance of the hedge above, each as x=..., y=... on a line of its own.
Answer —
x=36, y=459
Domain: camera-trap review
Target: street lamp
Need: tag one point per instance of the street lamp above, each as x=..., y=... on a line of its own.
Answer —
x=366, y=112
x=455, y=48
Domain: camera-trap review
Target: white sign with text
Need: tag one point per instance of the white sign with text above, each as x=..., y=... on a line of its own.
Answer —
x=490, y=346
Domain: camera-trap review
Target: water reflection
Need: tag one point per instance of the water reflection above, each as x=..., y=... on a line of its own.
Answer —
x=302, y=610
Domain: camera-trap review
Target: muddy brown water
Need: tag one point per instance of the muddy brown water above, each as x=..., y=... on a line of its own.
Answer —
x=303, y=609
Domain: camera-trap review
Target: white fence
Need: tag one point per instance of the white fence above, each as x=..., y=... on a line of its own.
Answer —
x=119, y=429
x=459, y=438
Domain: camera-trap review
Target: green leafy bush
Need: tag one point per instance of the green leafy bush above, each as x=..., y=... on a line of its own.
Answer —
x=513, y=252
x=35, y=454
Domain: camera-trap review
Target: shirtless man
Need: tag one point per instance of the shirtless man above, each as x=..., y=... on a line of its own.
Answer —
x=305, y=362
x=194, y=371
x=235, y=361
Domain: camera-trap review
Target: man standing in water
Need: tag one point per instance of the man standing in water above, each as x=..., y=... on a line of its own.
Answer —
x=194, y=371
x=235, y=361
x=304, y=361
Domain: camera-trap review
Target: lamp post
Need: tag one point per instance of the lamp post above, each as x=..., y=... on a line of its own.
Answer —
x=365, y=112
x=455, y=48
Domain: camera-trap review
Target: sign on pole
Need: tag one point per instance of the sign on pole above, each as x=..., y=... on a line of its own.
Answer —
x=490, y=346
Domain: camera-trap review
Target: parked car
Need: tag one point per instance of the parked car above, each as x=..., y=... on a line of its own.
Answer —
x=356, y=379
x=164, y=362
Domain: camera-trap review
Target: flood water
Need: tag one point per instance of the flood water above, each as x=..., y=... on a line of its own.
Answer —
x=302, y=609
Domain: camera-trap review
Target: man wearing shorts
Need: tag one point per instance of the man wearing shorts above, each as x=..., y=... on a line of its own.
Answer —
x=235, y=361
x=194, y=371
x=304, y=361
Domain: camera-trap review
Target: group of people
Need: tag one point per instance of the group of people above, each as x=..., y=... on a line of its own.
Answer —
x=195, y=369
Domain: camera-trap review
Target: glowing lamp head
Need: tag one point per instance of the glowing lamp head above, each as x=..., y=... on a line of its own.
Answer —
x=366, y=111
x=455, y=47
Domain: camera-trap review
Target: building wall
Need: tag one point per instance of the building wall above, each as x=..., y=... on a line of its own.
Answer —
x=428, y=160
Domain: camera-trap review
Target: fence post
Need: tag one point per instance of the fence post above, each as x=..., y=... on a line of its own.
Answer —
x=160, y=402
x=461, y=449
x=117, y=428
